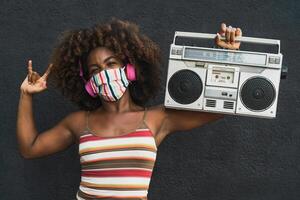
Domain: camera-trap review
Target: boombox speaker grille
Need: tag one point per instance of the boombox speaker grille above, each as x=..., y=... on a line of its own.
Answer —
x=257, y=93
x=185, y=86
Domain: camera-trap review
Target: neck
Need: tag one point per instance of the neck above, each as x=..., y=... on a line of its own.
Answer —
x=124, y=104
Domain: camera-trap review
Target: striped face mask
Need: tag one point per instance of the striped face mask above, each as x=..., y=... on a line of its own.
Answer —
x=110, y=84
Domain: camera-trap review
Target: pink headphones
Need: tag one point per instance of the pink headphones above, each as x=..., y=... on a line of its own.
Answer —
x=129, y=70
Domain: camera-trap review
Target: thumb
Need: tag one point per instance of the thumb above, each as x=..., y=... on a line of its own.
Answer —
x=217, y=38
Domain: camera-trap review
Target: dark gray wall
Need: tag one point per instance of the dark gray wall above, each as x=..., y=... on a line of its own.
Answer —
x=234, y=158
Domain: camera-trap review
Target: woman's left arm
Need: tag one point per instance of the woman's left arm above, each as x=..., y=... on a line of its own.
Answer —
x=165, y=121
x=183, y=120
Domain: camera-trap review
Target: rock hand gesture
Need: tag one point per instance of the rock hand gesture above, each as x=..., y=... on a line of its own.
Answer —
x=33, y=82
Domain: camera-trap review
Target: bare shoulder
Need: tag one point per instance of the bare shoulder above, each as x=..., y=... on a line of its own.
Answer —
x=155, y=117
x=75, y=121
x=157, y=111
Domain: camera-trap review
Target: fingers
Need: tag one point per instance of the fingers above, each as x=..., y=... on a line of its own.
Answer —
x=238, y=32
x=45, y=75
x=34, y=77
x=222, y=32
x=220, y=42
x=227, y=34
x=218, y=39
x=222, y=29
x=232, y=35
x=29, y=71
x=29, y=66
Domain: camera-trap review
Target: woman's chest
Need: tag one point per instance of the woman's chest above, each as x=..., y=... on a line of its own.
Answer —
x=136, y=146
x=110, y=126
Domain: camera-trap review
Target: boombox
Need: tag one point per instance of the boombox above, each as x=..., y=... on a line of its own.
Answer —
x=223, y=81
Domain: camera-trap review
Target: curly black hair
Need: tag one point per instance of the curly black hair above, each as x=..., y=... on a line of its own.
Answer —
x=125, y=40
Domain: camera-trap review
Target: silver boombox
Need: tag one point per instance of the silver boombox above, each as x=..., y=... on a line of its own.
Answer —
x=223, y=81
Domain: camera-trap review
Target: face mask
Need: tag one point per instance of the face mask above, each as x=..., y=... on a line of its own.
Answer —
x=110, y=84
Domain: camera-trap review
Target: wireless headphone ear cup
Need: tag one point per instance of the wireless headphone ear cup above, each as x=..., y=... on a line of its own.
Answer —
x=89, y=89
x=130, y=72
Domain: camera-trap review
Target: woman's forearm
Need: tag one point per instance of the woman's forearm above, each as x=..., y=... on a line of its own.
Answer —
x=26, y=131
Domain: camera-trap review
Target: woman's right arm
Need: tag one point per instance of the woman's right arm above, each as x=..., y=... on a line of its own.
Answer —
x=31, y=143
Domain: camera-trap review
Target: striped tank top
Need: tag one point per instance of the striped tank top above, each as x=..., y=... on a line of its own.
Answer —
x=117, y=167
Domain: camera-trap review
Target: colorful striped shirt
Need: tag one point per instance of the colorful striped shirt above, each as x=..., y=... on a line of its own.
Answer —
x=116, y=167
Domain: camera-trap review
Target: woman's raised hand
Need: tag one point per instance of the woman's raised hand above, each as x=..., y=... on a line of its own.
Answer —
x=230, y=33
x=33, y=82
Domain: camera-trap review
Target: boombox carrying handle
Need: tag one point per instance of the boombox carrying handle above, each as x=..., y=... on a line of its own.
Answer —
x=239, y=39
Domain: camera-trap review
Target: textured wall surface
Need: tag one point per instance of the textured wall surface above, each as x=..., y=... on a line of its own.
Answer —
x=234, y=158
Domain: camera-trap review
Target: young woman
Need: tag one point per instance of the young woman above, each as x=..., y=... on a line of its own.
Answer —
x=109, y=71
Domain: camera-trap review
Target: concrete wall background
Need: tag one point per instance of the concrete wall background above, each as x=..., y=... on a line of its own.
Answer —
x=234, y=158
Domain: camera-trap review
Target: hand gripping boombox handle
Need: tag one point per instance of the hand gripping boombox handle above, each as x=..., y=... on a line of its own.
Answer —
x=239, y=39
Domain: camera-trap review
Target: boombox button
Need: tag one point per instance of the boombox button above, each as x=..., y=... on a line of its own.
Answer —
x=271, y=60
x=277, y=60
x=224, y=93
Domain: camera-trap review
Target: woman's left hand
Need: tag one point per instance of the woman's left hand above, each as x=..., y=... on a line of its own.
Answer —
x=230, y=33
